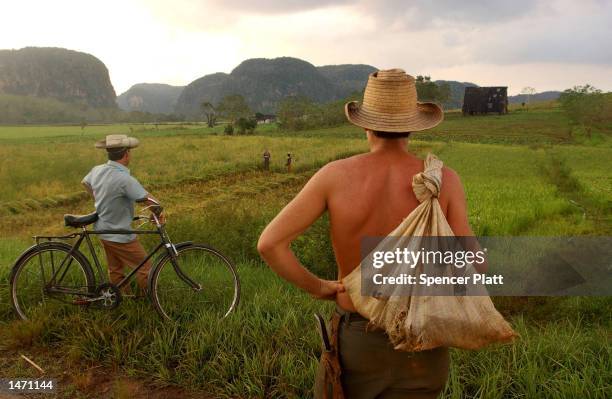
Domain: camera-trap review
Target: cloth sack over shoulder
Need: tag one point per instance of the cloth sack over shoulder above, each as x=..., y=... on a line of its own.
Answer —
x=416, y=322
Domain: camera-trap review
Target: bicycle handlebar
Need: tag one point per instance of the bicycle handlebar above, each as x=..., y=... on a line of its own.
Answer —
x=156, y=213
x=155, y=209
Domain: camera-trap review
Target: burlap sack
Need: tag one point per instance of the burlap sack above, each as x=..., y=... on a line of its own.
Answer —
x=421, y=322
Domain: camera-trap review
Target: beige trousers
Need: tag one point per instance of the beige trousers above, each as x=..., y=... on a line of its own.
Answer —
x=121, y=255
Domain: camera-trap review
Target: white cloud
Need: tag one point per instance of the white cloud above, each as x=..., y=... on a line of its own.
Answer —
x=547, y=45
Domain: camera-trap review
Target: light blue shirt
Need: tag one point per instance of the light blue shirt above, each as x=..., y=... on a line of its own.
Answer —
x=115, y=192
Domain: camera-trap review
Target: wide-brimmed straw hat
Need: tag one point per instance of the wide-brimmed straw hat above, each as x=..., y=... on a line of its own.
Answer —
x=390, y=105
x=117, y=141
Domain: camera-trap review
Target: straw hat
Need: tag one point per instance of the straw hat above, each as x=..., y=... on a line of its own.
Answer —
x=390, y=105
x=117, y=141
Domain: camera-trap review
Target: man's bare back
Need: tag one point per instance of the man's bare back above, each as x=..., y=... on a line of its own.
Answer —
x=373, y=195
x=365, y=195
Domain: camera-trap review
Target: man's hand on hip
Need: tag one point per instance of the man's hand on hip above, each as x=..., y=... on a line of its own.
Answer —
x=328, y=289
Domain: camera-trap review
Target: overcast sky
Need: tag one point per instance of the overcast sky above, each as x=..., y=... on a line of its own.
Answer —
x=549, y=45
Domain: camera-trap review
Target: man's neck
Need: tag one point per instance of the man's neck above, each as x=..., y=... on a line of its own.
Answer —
x=390, y=146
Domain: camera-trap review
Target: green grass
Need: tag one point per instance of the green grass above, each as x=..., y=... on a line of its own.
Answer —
x=35, y=171
x=547, y=125
x=214, y=192
x=37, y=132
x=268, y=348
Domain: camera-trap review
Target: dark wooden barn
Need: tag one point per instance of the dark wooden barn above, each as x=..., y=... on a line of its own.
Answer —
x=482, y=100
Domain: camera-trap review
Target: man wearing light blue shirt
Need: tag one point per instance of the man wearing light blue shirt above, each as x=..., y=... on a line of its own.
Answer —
x=115, y=191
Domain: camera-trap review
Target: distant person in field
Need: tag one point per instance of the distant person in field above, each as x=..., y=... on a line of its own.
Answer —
x=289, y=162
x=369, y=195
x=115, y=191
x=266, y=159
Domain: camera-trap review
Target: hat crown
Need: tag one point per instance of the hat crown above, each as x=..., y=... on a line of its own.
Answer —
x=116, y=139
x=391, y=91
x=390, y=105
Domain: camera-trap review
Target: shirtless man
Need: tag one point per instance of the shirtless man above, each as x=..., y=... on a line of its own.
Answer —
x=369, y=195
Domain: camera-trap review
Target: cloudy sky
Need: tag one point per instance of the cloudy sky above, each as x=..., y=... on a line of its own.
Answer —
x=544, y=44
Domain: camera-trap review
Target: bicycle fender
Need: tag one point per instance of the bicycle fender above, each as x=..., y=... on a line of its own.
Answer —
x=21, y=257
x=164, y=255
x=37, y=247
x=27, y=252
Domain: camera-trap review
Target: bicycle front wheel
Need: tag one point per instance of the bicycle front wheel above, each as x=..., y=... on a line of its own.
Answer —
x=199, y=282
x=49, y=278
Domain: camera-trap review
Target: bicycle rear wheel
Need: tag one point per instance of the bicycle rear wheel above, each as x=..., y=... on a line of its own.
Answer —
x=33, y=290
x=202, y=283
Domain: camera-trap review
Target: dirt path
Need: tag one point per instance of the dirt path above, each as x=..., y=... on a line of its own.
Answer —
x=81, y=380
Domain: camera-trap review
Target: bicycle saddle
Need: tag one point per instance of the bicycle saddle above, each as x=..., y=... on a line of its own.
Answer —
x=80, y=220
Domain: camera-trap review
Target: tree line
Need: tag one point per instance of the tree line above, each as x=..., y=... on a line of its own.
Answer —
x=27, y=109
x=587, y=107
x=234, y=110
x=299, y=113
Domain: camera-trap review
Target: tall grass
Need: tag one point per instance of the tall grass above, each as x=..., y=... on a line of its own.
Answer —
x=269, y=347
x=38, y=171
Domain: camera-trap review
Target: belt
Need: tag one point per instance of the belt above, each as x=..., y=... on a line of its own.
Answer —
x=348, y=317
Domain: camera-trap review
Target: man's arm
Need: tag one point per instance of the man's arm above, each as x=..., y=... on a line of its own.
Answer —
x=274, y=243
x=137, y=193
x=155, y=205
x=86, y=182
x=88, y=188
x=456, y=215
x=148, y=200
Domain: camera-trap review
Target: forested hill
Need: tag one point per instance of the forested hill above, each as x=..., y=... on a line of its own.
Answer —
x=49, y=72
x=348, y=78
x=156, y=98
x=265, y=82
x=543, y=96
x=48, y=84
x=457, y=90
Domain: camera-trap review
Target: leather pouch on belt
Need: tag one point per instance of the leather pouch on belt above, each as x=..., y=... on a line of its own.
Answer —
x=330, y=357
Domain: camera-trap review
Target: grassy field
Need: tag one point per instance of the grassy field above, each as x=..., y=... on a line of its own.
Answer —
x=22, y=133
x=523, y=174
x=57, y=168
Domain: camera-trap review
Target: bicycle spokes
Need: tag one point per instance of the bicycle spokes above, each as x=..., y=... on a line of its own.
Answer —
x=49, y=278
x=199, y=283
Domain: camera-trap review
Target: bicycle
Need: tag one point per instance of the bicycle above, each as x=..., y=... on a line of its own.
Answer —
x=186, y=279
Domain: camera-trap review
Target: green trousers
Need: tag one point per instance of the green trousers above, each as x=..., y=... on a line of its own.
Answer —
x=371, y=368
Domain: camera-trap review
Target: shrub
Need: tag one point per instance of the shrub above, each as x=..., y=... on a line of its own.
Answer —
x=300, y=113
x=246, y=125
x=587, y=106
x=228, y=129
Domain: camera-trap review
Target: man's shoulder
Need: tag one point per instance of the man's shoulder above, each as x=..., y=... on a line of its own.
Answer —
x=336, y=171
x=108, y=172
x=452, y=187
x=450, y=176
x=103, y=167
x=95, y=171
x=343, y=165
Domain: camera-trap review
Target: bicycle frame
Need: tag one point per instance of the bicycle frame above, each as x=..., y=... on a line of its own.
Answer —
x=85, y=234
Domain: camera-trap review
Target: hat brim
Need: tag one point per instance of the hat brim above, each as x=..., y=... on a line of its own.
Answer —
x=130, y=142
x=426, y=116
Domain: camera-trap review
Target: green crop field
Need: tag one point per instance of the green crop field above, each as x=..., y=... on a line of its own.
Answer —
x=524, y=174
